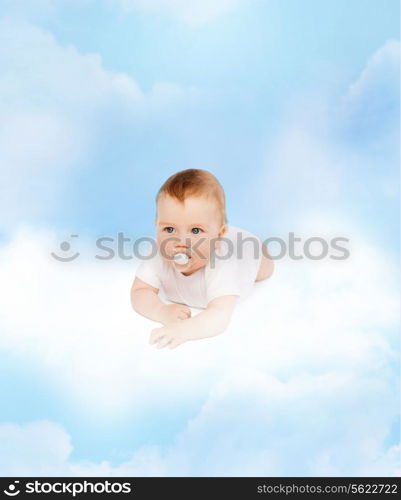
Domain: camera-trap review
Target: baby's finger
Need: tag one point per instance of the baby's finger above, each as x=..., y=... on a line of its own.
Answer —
x=156, y=334
x=173, y=344
x=164, y=341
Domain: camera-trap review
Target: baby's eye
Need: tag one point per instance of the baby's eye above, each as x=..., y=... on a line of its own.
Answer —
x=196, y=230
x=168, y=229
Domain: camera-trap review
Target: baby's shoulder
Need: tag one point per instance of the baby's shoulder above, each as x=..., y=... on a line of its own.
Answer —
x=238, y=248
x=235, y=239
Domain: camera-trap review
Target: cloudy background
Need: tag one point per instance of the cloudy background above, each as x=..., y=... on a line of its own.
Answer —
x=295, y=107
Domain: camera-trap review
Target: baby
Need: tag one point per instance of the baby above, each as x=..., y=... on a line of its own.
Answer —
x=200, y=262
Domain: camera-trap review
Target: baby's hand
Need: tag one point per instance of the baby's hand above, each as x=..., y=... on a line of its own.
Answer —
x=169, y=336
x=171, y=313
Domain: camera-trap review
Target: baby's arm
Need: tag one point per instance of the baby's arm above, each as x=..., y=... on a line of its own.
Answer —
x=145, y=301
x=210, y=322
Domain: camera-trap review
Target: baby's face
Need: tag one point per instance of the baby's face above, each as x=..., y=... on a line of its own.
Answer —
x=190, y=228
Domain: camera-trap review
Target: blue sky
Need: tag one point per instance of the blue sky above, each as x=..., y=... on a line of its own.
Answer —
x=246, y=64
x=294, y=106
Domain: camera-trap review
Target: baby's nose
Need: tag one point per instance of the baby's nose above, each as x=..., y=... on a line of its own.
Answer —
x=181, y=245
x=183, y=241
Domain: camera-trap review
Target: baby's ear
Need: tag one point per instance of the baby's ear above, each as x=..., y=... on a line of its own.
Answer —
x=222, y=230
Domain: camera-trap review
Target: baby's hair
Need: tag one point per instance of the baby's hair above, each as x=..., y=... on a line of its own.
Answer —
x=195, y=182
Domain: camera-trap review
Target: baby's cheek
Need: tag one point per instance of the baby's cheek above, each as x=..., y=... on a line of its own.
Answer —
x=164, y=246
x=202, y=250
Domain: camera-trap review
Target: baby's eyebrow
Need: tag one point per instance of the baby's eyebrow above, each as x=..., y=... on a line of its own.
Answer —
x=194, y=224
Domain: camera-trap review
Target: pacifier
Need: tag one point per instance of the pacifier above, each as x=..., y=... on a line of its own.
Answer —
x=181, y=258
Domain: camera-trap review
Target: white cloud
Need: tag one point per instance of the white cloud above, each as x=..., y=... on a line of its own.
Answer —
x=252, y=424
x=43, y=448
x=54, y=101
x=326, y=151
x=320, y=337
x=39, y=72
x=194, y=12
x=379, y=80
x=262, y=426
x=303, y=174
x=370, y=107
x=35, y=444
x=302, y=168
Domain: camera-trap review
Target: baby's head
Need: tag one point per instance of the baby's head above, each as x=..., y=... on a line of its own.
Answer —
x=190, y=217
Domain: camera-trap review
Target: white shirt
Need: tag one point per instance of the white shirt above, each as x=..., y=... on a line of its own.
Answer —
x=232, y=272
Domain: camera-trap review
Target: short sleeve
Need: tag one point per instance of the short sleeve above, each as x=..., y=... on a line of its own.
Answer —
x=222, y=278
x=149, y=271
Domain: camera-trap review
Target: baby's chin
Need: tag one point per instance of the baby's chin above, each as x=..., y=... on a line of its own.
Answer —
x=190, y=267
